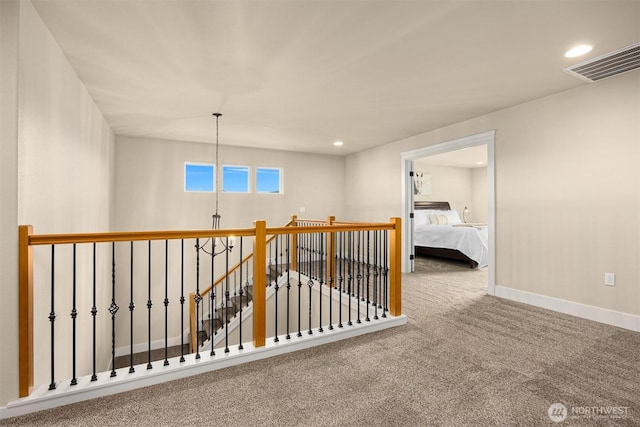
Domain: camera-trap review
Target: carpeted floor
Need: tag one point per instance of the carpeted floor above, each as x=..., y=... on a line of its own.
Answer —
x=464, y=358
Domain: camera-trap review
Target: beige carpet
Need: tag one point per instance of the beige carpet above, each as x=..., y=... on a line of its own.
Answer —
x=464, y=358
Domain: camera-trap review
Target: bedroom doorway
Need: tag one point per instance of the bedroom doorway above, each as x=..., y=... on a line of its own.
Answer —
x=485, y=139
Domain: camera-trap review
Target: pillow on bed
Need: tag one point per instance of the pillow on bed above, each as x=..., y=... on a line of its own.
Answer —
x=452, y=217
x=438, y=219
x=420, y=217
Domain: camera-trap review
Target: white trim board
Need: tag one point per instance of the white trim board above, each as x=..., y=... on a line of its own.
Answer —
x=65, y=394
x=583, y=311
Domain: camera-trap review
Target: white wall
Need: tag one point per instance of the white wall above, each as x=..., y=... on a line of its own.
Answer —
x=64, y=182
x=479, y=206
x=567, y=191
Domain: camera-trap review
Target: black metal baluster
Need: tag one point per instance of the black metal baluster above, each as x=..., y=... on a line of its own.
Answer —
x=182, y=300
x=52, y=319
x=275, y=317
x=376, y=263
x=132, y=306
x=350, y=274
x=331, y=279
x=166, y=302
x=113, y=309
x=385, y=273
x=197, y=296
x=340, y=241
x=288, y=336
x=212, y=304
x=226, y=299
x=310, y=282
x=74, y=315
x=300, y=262
x=240, y=347
x=322, y=276
x=359, y=275
x=149, y=304
x=368, y=283
x=94, y=312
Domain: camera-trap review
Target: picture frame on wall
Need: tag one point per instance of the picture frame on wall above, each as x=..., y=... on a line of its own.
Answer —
x=421, y=184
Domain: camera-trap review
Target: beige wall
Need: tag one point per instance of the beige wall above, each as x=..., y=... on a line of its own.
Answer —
x=150, y=196
x=9, y=32
x=64, y=149
x=459, y=186
x=567, y=191
x=479, y=206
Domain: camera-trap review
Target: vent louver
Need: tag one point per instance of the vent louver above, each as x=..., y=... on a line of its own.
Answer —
x=609, y=65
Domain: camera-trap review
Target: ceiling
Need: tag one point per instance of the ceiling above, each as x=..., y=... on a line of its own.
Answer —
x=470, y=157
x=299, y=75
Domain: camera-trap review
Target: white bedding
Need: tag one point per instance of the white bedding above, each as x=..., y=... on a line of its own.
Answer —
x=471, y=241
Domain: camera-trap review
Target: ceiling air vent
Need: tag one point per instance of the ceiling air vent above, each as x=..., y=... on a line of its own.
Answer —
x=608, y=65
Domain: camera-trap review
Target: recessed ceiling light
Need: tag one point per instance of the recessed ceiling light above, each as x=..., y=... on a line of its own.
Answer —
x=480, y=163
x=578, y=51
x=337, y=143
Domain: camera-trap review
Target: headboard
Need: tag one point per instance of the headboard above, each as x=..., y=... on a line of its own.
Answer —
x=441, y=206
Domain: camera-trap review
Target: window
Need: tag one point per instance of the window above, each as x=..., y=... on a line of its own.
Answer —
x=199, y=177
x=268, y=180
x=235, y=179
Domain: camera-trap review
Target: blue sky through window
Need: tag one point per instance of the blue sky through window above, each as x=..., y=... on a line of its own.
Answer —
x=235, y=179
x=268, y=180
x=199, y=177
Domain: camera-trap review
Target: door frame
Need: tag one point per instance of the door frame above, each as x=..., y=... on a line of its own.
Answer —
x=407, y=158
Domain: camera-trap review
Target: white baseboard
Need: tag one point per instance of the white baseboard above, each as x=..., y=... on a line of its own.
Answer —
x=589, y=312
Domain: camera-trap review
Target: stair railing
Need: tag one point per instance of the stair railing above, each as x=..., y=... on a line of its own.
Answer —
x=98, y=252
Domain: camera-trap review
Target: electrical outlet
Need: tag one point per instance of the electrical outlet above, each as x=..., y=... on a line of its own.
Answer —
x=609, y=279
x=303, y=209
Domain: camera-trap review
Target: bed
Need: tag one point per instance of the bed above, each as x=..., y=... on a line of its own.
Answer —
x=439, y=232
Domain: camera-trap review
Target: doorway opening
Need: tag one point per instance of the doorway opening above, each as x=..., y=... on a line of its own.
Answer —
x=408, y=158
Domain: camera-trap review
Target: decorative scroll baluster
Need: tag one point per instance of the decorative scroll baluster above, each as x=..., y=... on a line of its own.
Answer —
x=74, y=315
x=385, y=274
x=212, y=303
x=275, y=317
x=132, y=306
x=197, y=297
x=149, y=305
x=340, y=240
x=359, y=275
x=288, y=336
x=166, y=302
x=240, y=347
x=331, y=265
x=322, y=276
x=310, y=282
x=367, y=282
x=182, y=300
x=226, y=300
x=350, y=275
x=300, y=266
x=113, y=309
x=94, y=312
x=52, y=319
x=376, y=263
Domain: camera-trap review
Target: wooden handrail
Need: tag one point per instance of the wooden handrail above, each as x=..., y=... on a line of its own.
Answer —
x=260, y=232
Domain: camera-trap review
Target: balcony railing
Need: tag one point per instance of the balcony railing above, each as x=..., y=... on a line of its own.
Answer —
x=306, y=277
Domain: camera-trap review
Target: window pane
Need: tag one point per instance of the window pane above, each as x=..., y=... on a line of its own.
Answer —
x=235, y=179
x=268, y=180
x=198, y=177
